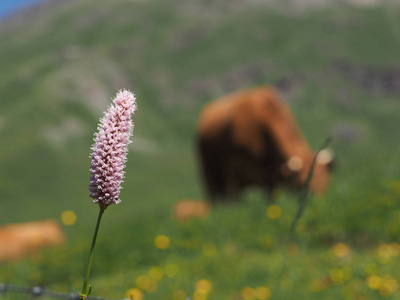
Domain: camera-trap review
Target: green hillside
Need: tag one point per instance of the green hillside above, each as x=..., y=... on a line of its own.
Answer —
x=339, y=66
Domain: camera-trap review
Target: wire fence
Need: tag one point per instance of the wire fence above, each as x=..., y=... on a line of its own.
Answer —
x=38, y=291
x=41, y=292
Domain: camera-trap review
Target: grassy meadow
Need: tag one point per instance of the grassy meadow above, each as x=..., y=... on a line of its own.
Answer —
x=63, y=62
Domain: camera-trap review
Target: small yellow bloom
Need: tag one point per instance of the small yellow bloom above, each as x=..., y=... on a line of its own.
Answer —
x=68, y=217
x=156, y=273
x=142, y=282
x=203, y=286
x=146, y=283
x=135, y=294
x=374, y=282
x=388, y=285
x=341, y=250
x=274, y=212
x=162, y=242
x=391, y=284
x=262, y=293
x=386, y=252
x=338, y=276
x=247, y=293
x=171, y=270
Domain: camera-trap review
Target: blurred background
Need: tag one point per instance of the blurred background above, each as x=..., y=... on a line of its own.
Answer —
x=338, y=63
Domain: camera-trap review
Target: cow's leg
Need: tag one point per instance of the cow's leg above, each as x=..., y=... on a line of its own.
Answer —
x=216, y=180
x=210, y=166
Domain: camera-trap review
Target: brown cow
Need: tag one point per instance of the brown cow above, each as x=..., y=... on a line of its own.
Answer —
x=250, y=138
x=20, y=240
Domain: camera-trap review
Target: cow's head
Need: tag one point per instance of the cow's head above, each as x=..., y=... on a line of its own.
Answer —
x=298, y=168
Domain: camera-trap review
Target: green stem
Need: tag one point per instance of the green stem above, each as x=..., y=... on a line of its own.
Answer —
x=85, y=283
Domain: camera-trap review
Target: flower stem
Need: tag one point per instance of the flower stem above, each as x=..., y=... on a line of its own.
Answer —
x=83, y=295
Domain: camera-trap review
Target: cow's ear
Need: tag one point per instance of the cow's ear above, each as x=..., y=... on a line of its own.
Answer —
x=295, y=164
x=292, y=166
x=326, y=157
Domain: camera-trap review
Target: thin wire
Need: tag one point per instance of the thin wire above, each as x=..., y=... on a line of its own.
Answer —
x=302, y=203
x=38, y=291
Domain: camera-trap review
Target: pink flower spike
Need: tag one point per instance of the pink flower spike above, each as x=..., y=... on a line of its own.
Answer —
x=110, y=149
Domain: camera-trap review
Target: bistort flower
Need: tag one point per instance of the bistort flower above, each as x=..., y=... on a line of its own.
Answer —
x=110, y=149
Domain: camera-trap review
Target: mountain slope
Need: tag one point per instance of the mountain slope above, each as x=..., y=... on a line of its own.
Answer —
x=62, y=64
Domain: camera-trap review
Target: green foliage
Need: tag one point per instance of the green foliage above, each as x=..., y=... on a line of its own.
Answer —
x=59, y=72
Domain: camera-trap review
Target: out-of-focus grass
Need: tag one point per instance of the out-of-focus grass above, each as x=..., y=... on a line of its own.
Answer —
x=63, y=68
